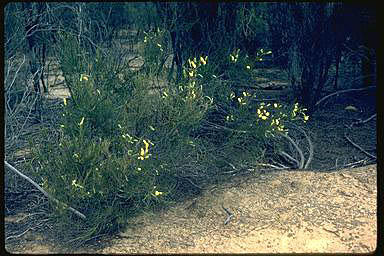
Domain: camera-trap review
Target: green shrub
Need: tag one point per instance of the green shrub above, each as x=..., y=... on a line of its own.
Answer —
x=124, y=146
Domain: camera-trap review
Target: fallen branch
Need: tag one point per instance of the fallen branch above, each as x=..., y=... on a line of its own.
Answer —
x=281, y=167
x=363, y=121
x=230, y=215
x=353, y=143
x=301, y=162
x=357, y=146
x=351, y=165
x=290, y=158
x=342, y=91
x=43, y=191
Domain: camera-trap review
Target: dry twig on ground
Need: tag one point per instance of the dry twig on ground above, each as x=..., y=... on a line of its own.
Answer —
x=43, y=191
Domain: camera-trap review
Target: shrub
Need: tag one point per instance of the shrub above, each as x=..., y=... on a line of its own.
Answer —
x=124, y=146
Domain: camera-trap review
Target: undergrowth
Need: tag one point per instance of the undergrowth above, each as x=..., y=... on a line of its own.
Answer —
x=124, y=146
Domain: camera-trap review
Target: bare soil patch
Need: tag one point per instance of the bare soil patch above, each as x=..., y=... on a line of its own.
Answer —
x=285, y=211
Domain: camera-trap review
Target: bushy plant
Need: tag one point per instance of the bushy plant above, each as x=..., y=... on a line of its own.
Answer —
x=124, y=145
x=119, y=150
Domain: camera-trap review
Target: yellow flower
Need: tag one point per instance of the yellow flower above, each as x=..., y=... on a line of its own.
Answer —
x=83, y=77
x=144, y=151
x=158, y=193
x=232, y=95
x=203, y=60
x=81, y=122
x=146, y=145
x=264, y=117
x=76, y=185
x=193, y=94
x=142, y=154
x=159, y=45
x=305, y=118
x=280, y=128
x=65, y=101
x=151, y=127
x=192, y=63
x=230, y=118
x=248, y=67
x=241, y=101
x=191, y=74
x=246, y=94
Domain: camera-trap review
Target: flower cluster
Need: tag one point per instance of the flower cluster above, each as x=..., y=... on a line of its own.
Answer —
x=144, y=152
x=261, y=53
x=262, y=112
x=192, y=72
x=296, y=111
x=243, y=100
x=84, y=77
x=234, y=56
x=193, y=66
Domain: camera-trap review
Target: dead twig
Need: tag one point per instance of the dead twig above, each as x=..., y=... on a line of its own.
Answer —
x=43, y=191
x=230, y=215
x=359, y=122
x=301, y=162
x=281, y=167
x=19, y=235
x=342, y=91
x=311, y=149
x=352, y=165
x=349, y=127
x=358, y=147
x=290, y=158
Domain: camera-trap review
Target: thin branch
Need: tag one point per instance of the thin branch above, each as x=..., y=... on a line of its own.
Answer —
x=274, y=166
x=297, y=148
x=357, y=146
x=310, y=157
x=364, y=121
x=286, y=155
x=43, y=191
x=342, y=91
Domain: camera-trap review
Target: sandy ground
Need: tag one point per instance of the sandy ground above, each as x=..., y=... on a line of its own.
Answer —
x=286, y=211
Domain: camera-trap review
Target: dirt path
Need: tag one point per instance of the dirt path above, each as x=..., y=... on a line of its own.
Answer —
x=288, y=211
